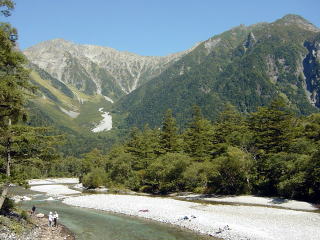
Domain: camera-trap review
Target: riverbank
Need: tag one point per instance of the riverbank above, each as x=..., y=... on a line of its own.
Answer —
x=33, y=229
x=48, y=181
x=219, y=220
x=225, y=217
x=252, y=200
x=51, y=233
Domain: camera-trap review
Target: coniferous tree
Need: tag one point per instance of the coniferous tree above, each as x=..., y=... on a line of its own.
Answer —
x=143, y=145
x=198, y=136
x=231, y=128
x=18, y=144
x=169, y=141
x=13, y=86
x=273, y=127
x=274, y=130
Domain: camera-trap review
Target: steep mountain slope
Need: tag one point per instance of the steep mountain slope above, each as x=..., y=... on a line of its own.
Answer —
x=71, y=113
x=97, y=70
x=64, y=105
x=246, y=66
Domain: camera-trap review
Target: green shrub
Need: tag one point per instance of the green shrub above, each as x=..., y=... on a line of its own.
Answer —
x=94, y=179
x=231, y=172
x=17, y=228
x=165, y=174
x=24, y=215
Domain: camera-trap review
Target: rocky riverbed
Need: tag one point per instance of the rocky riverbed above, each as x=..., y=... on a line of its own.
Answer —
x=34, y=229
x=224, y=221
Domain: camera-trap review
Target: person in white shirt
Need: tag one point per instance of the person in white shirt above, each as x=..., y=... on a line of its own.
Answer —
x=50, y=219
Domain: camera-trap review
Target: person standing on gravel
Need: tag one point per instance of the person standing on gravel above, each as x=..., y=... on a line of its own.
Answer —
x=55, y=218
x=33, y=210
x=50, y=219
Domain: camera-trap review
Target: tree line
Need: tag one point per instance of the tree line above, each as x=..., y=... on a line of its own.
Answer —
x=269, y=152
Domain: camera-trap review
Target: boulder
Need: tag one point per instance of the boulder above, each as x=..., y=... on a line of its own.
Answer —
x=25, y=198
x=40, y=215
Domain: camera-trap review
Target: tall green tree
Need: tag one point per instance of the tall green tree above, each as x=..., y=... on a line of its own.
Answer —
x=16, y=141
x=93, y=159
x=231, y=127
x=274, y=130
x=144, y=146
x=198, y=136
x=273, y=127
x=169, y=139
x=30, y=148
x=120, y=168
x=13, y=82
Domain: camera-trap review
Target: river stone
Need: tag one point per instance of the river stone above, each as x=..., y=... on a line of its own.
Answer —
x=25, y=198
x=40, y=215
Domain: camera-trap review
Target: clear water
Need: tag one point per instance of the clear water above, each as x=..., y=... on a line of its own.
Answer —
x=90, y=224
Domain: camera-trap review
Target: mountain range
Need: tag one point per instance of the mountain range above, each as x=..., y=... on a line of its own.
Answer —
x=246, y=66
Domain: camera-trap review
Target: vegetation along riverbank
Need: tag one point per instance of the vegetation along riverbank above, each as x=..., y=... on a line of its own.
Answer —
x=18, y=224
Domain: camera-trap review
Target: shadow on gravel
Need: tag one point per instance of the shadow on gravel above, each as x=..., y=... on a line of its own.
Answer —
x=278, y=200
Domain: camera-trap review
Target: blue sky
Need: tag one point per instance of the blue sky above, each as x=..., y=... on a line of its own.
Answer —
x=146, y=27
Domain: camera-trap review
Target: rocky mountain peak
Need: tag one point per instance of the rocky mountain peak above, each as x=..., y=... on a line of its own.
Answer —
x=71, y=63
x=292, y=19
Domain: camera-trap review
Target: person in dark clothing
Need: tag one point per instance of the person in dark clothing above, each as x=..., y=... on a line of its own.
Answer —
x=33, y=209
x=55, y=219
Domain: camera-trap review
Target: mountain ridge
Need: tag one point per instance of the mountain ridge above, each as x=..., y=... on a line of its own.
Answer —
x=245, y=66
x=127, y=70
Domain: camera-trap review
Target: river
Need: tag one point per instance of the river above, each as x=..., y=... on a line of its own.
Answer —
x=92, y=224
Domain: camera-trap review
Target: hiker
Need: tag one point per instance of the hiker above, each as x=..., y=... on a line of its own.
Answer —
x=55, y=218
x=50, y=219
x=33, y=210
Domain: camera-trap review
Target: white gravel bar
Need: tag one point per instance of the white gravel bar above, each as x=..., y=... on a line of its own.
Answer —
x=54, y=190
x=53, y=181
x=223, y=221
x=272, y=202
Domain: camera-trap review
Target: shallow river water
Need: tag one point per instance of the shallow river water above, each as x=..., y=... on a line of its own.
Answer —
x=92, y=224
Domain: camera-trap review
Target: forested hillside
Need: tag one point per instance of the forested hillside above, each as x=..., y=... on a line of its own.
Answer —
x=246, y=67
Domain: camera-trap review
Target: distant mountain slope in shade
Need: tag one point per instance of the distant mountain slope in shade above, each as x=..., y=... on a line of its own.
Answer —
x=97, y=70
x=245, y=66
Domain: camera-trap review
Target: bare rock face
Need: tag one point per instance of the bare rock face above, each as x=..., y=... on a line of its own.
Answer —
x=251, y=40
x=311, y=71
x=88, y=67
